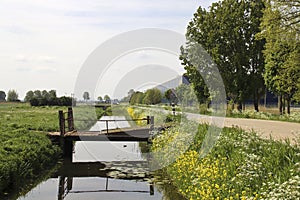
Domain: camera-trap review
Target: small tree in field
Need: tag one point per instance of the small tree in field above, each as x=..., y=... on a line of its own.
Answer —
x=100, y=99
x=107, y=99
x=86, y=96
x=12, y=96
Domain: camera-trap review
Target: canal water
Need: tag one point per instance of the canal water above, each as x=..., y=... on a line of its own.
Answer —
x=103, y=170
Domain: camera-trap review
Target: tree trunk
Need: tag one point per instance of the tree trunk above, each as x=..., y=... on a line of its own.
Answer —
x=240, y=106
x=256, y=100
x=283, y=105
x=288, y=105
x=280, y=104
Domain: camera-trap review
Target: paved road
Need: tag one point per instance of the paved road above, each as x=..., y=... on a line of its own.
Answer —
x=266, y=128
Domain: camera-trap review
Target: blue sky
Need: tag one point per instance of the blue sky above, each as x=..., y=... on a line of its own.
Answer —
x=44, y=43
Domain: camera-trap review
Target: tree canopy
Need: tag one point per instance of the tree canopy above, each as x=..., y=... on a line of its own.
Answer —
x=12, y=96
x=227, y=33
x=280, y=29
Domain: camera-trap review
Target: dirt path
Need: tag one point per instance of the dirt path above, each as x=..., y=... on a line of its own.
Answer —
x=276, y=129
x=266, y=128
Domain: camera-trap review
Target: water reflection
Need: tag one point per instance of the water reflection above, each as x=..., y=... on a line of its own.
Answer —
x=111, y=173
x=101, y=170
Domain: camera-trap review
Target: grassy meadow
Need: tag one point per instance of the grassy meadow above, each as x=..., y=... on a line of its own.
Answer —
x=25, y=150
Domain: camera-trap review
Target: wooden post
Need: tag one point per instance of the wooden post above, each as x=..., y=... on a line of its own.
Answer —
x=61, y=188
x=61, y=123
x=68, y=150
x=69, y=183
x=151, y=189
x=151, y=123
x=151, y=128
x=148, y=120
x=107, y=126
x=70, y=119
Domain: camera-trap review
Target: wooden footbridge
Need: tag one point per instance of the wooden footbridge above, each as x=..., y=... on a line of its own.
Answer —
x=68, y=134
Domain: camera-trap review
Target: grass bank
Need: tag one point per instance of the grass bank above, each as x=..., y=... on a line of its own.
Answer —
x=241, y=165
x=25, y=151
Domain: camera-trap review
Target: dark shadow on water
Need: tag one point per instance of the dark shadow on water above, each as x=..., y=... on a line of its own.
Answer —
x=105, y=180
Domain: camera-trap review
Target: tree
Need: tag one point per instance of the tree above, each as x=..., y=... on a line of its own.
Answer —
x=107, y=99
x=282, y=50
x=29, y=96
x=136, y=98
x=186, y=95
x=86, y=96
x=290, y=13
x=37, y=94
x=100, y=99
x=2, y=96
x=152, y=96
x=12, y=96
x=227, y=33
x=170, y=95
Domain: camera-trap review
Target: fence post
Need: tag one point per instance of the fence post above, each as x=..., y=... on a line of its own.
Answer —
x=61, y=123
x=70, y=119
x=151, y=123
x=151, y=128
x=107, y=126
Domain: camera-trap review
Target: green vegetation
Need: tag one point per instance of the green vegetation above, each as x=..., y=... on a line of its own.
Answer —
x=280, y=29
x=293, y=117
x=12, y=96
x=86, y=116
x=240, y=166
x=25, y=152
x=254, y=44
x=150, y=97
x=45, y=98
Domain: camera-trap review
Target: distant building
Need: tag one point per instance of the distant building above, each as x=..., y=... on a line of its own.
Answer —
x=173, y=83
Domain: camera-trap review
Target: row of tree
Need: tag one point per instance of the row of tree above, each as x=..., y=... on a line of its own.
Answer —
x=183, y=94
x=150, y=97
x=255, y=45
x=12, y=96
x=47, y=98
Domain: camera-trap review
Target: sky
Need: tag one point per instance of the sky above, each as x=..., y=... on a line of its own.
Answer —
x=45, y=43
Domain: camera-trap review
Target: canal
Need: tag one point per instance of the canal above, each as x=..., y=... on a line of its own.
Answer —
x=105, y=170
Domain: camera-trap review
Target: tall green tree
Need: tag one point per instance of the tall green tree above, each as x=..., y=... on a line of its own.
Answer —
x=227, y=33
x=282, y=51
x=12, y=96
x=152, y=96
x=136, y=98
x=29, y=96
x=2, y=96
x=171, y=96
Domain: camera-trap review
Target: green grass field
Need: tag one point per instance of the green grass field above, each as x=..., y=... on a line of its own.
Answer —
x=25, y=150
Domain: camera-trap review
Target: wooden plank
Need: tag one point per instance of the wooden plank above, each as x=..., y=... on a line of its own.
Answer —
x=137, y=134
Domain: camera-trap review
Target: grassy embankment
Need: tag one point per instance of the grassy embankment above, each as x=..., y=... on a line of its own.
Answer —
x=240, y=166
x=25, y=150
